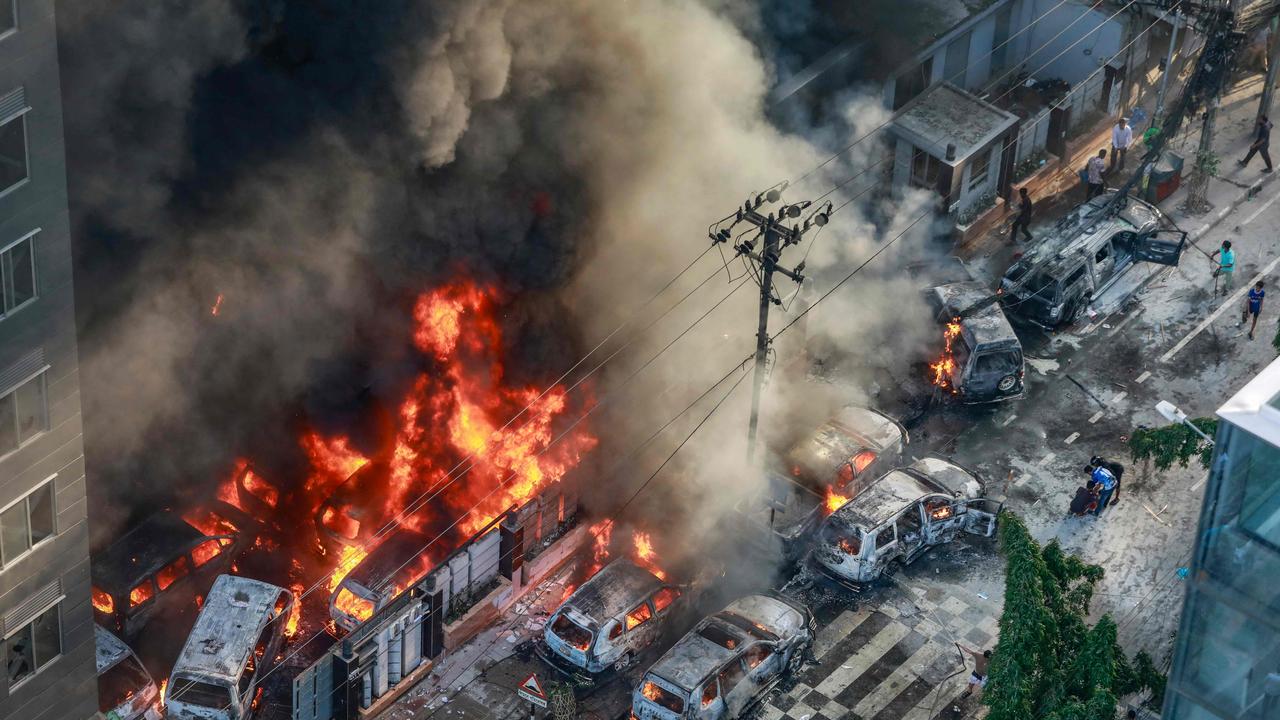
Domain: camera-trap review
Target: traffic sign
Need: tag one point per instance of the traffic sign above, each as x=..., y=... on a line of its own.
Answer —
x=531, y=690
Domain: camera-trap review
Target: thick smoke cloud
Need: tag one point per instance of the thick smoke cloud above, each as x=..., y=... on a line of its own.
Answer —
x=315, y=164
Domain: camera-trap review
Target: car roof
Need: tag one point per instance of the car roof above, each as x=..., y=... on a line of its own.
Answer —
x=952, y=477
x=770, y=613
x=152, y=544
x=850, y=431
x=227, y=630
x=885, y=498
x=109, y=648
x=694, y=657
x=1083, y=229
x=392, y=556
x=986, y=322
x=614, y=590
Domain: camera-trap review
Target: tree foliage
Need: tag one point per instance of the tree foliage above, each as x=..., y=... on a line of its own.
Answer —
x=1049, y=664
x=1170, y=444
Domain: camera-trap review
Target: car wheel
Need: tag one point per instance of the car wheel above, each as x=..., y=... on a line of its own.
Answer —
x=1007, y=383
x=623, y=662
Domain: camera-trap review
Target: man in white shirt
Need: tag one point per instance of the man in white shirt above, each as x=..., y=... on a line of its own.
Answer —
x=1121, y=139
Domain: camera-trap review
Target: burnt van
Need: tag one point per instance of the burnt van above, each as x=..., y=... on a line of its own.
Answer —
x=234, y=644
x=900, y=517
x=397, y=562
x=126, y=690
x=610, y=620
x=986, y=362
x=727, y=663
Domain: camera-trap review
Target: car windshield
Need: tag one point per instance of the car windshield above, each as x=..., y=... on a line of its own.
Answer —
x=193, y=692
x=121, y=683
x=1042, y=285
x=571, y=632
x=720, y=636
x=662, y=696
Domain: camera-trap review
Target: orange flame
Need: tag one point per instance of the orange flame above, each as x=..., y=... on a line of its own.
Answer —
x=217, y=306
x=942, y=369
x=645, y=557
x=102, y=602
x=834, y=500
x=353, y=605
x=295, y=611
x=164, y=684
x=332, y=462
x=347, y=561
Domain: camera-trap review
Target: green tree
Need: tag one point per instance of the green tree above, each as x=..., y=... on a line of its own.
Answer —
x=1164, y=446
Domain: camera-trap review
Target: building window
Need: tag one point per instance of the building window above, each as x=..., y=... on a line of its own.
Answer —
x=958, y=60
x=17, y=274
x=33, y=646
x=912, y=82
x=1230, y=658
x=925, y=170
x=24, y=414
x=1000, y=40
x=13, y=152
x=978, y=171
x=26, y=523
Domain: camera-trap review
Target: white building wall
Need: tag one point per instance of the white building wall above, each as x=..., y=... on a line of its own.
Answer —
x=1072, y=50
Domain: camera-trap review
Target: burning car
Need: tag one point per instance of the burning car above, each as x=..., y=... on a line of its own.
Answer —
x=982, y=361
x=125, y=688
x=727, y=662
x=234, y=643
x=160, y=565
x=604, y=624
x=901, y=516
x=395, y=564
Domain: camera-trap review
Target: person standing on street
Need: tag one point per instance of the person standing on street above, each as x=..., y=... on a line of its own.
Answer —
x=1096, y=167
x=1023, y=220
x=1116, y=470
x=1256, y=295
x=1261, y=143
x=979, y=675
x=1226, y=259
x=1106, y=485
x=1121, y=139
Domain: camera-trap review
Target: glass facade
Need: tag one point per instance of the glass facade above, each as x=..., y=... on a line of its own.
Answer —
x=1227, y=661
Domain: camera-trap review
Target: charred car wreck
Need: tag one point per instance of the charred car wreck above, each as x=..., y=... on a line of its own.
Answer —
x=983, y=361
x=900, y=517
x=727, y=663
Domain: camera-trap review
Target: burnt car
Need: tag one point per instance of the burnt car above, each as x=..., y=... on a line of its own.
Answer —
x=125, y=688
x=901, y=516
x=985, y=363
x=608, y=621
x=728, y=662
x=396, y=563
x=1085, y=253
x=235, y=642
x=354, y=513
x=159, y=568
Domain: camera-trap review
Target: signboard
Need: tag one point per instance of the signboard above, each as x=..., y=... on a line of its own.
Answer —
x=531, y=690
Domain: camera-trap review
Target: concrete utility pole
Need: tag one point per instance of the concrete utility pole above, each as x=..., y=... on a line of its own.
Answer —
x=1157, y=118
x=775, y=236
x=1273, y=63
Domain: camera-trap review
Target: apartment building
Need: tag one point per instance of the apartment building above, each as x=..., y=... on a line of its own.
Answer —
x=45, y=618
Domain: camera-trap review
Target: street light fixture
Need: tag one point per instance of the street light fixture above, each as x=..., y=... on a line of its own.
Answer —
x=1171, y=413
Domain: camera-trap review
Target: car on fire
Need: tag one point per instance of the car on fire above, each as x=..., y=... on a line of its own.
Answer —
x=160, y=568
x=235, y=642
x=396, y=563
x=727, y=663
x=1085, y=253
x=353, y=514
x=610, y=619
x=901, y=516
x=840, y=457
x=983, y=361
x=125, y=688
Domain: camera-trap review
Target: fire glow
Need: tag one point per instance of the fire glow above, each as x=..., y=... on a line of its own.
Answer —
x=644, y=555
x=834, y=500
x=942, y=369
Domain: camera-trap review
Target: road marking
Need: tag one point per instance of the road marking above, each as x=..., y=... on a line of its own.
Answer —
x=1096, y=417
x=1122, y=323
x=1199, y=482
x=1071, y=438
x=1008, y=420
x=1047, y=459
x=1143, y=377
x=1260, y=210
x=1119, y=396
x=1233, y=301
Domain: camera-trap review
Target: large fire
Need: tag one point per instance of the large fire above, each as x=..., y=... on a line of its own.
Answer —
x=644, y=555
x=942, y=369
x=834, y=500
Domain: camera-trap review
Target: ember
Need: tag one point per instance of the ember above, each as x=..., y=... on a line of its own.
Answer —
x=944, y=366
x=217, y=305
x=834, y=500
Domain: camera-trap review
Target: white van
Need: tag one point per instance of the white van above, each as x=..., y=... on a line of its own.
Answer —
x=125, y=688
x=234, y=643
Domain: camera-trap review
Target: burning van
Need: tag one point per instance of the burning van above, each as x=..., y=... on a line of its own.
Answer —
x=727, y=663
x=125, y=688
x=605, y=623
x=901, y=516
x=233, y=645
x=982, y=361
x=395, y=564
x=159, y=569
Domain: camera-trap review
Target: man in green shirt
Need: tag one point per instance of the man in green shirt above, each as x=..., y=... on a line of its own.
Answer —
x=1226, y=259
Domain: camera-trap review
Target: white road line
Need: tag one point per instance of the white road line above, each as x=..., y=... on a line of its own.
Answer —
x=1143, y=377
x=1008, y=420
x=902, y=676
x=1260, y=210
x=1047, y=459
x=1233, y=301
x=1071, y=438
x=1096, y=417
x=1199, y=482
x=1119, y=396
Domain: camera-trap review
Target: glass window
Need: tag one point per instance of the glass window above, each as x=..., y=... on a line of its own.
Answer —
x=141, y=593
x=957, y=60
x=757, y=655
x=1229, y=657
x=710, y=693
x=979, y=170
x=48, y=638
x=1000, y=39
x=32, y=409
x=198, y=693
x=13, y=151
x=15, y=532
x=33, y=646
x=1102, y=254
x=639, y=616
x=8, y=16
x=17, y=274
x=8, y=424
x=664, y=597
x=997, y=362
x=731, y=676
x=925, y=169
x=911, y=83
x=19, y=656
x=40, y=508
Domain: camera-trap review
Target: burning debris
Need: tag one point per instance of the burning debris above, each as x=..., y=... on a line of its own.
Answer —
x=945, y=365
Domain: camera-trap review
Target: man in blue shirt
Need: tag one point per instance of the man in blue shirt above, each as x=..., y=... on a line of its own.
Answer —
x=1106, y=484
x=1256, y=294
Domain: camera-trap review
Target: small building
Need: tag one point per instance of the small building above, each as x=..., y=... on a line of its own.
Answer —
x=950, y=141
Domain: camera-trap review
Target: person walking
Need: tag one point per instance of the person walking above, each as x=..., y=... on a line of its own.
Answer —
x=1254, y=307
x=978, y=678
x=1023, y=220
x=1121, y=139
x=1261, y=144
x=1226, y=259
x=1096, y=167
x=1106, y=485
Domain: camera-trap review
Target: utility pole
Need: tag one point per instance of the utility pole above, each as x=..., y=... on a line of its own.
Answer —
x=774, y=236
x=1157, y=118
x=1273, y=63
